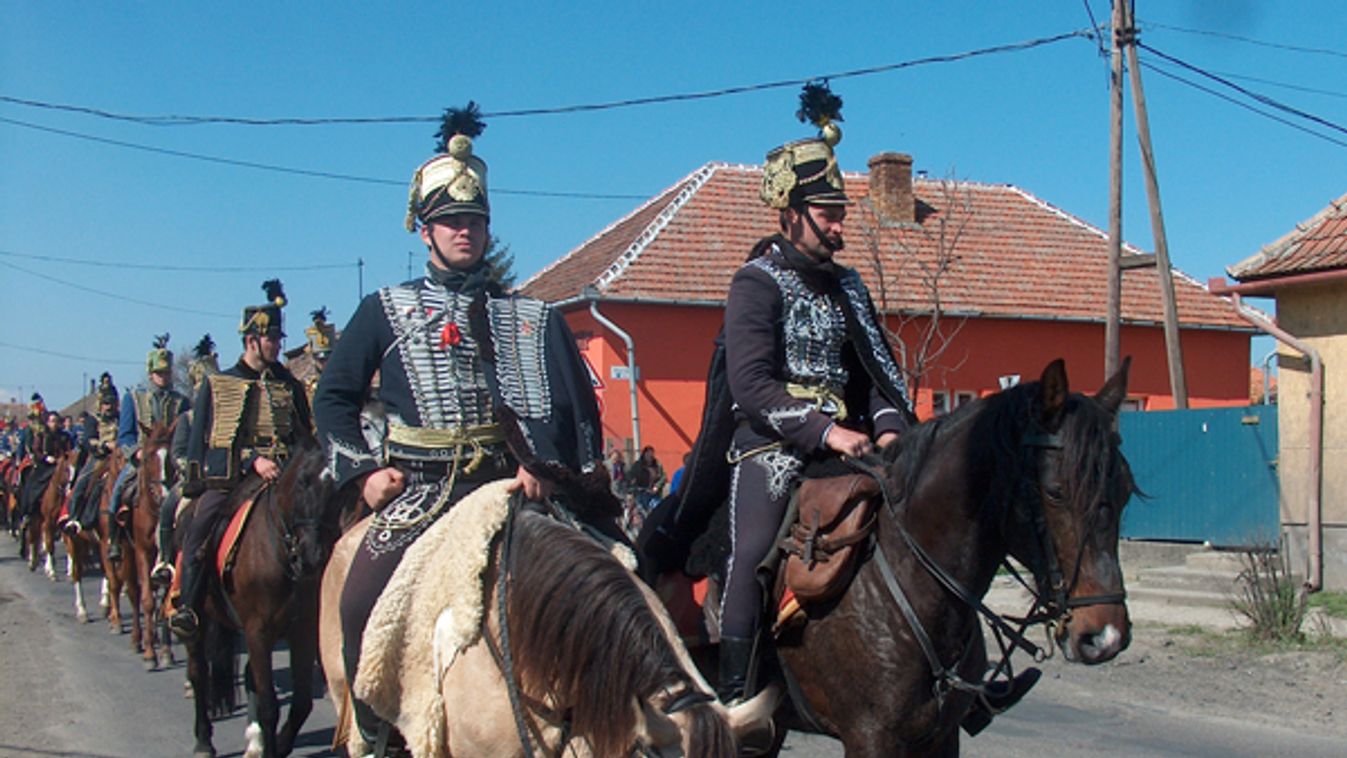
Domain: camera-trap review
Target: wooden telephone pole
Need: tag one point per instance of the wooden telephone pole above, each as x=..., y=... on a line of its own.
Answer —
x=1124, y=42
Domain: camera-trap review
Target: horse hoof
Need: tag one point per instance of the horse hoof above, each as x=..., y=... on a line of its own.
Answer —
x=151, y=664
x=83, y=618
x=204, y=752
x=187, y=692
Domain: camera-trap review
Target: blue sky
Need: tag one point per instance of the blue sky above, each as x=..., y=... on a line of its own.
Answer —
x=1231, y=180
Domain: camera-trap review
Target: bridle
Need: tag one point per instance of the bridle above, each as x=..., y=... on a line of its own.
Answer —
x=1052, y=594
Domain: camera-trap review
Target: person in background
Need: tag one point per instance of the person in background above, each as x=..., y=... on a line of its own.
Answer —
x=645, y=479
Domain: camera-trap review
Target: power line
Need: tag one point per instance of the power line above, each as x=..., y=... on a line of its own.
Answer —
x=1297, y=87
x=1264, y=99
x=182, y=120
x=296, y=171
x=171, y=267
x=1247, y=40
x=1244, y=105
x=87, y=359
x=114, y=295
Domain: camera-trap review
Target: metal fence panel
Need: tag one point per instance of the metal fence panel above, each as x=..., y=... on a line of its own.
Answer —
x=1210, y=475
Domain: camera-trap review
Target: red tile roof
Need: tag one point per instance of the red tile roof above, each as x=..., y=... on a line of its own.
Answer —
x=1315, y=245
x=1014, y=256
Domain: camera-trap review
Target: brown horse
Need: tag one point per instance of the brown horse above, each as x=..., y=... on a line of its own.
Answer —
x=153, y=481
x=1034, y=472
x=91, y=545
x=42, y=526
x=271, y=594
x=597, y=666
x=119, y=576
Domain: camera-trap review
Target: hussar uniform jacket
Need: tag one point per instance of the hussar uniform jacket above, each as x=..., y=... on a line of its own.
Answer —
x=241, y=415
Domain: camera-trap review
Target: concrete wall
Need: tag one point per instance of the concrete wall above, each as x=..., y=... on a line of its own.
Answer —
x=1318, y=316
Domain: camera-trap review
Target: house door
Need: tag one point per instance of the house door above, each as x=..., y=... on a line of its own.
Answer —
x=1210, y=475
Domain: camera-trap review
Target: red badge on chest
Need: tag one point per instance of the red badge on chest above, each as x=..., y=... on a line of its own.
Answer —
x=450, y=335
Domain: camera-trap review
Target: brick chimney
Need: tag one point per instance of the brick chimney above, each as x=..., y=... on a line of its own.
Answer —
x=891, y=188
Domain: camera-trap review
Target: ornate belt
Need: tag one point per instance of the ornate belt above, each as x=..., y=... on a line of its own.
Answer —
x=419, y=443
x=823, y=398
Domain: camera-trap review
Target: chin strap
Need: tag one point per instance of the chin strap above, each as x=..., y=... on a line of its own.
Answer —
x=827, y=243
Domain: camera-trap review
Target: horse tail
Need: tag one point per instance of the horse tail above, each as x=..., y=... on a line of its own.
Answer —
x=710, y=734
x=219, y=648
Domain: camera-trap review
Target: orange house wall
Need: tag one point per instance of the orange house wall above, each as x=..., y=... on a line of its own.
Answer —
x=674, y=346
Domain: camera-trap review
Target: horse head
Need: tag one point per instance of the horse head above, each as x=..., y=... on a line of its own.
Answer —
x=312, y=521
x=157, y=466
x=1067, y=526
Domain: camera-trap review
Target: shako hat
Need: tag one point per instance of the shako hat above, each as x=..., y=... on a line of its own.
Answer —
x=265, y=319
x=322, y=335
x=204, y=361
x=160, y=358
x=454, y=181
x=107, y=391
x=38, y=407
x=805, y=171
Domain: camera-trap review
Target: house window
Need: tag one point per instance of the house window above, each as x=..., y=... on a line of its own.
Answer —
x=1133, y=404
x=939, y=402
x=964, y=397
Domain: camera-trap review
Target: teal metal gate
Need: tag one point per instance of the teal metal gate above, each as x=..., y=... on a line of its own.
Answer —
x=1210, y=474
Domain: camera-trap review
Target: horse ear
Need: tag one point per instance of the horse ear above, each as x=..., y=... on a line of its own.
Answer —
x=173, y=426
x=1115, y=389
x=1053, y=389
x=144, y=430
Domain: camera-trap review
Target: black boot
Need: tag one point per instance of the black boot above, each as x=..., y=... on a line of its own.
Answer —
x=184, y=623
x=1000, y=696
x=736, y=654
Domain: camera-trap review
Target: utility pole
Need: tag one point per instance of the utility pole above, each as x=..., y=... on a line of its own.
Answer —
x=409, y=265
x=360, y=278
x=1173, y=350
x=1113, y=317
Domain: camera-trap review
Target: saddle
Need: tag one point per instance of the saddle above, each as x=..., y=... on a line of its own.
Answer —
x=228, y=549
x=835, y=514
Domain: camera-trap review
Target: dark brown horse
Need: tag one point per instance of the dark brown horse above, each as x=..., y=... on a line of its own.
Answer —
x=1034, y=472
x=893, y=665
x=270, y=595
x=153, y=481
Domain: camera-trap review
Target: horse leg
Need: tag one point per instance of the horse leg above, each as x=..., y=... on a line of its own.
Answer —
x=76, y=575
x=303, y=654
x=49, y=547
x=263, y=707
x=197, y=677
x=148, y=641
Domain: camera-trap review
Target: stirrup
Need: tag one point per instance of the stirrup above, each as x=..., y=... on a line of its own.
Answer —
x=162, y=573
x=184, y=624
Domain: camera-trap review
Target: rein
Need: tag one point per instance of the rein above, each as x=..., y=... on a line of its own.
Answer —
x=1050, y=610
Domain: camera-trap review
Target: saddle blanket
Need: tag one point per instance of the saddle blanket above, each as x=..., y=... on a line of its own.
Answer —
x=430, y=610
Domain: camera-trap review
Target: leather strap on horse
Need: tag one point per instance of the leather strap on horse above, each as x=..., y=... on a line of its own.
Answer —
x=507, y=658
x=935, y=569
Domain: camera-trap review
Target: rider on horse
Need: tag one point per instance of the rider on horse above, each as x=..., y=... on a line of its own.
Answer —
x=99, y=445
x=246, y=419
x=807, y=366
x=204, y=363
x=321, y=336
x=478, y=385
x=141, y=409
x=47, y=444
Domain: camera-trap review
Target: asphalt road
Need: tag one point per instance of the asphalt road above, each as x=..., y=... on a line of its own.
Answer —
x=70, y=689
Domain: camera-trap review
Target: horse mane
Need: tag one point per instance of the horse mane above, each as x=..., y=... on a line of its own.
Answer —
x=584, y=631
x=999, y=422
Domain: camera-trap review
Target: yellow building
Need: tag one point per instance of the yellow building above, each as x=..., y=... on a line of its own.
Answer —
x=1306, y=271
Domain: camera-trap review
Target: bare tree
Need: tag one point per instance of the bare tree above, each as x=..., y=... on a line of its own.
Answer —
x=926, y=254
